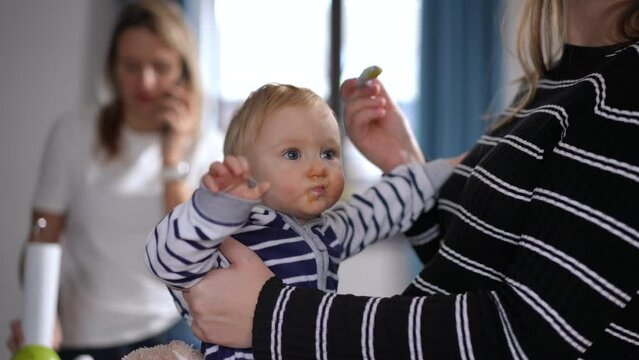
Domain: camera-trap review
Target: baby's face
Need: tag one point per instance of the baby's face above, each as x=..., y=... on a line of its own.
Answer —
x=298, y=151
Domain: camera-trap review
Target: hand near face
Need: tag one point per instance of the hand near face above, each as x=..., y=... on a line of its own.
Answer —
x=232, y=176
x=377, y=127
x=175, y=110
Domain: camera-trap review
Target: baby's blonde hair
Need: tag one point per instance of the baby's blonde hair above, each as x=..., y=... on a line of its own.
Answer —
x=249, y=118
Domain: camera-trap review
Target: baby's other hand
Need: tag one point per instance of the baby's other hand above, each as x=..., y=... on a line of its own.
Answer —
x=232, y=177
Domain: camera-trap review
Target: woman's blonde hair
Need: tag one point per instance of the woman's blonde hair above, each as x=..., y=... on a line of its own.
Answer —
x=541, y=36
x=165, y=20
x=249, y=118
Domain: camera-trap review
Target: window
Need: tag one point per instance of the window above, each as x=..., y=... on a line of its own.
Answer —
x=383, y=33
x=247, y=43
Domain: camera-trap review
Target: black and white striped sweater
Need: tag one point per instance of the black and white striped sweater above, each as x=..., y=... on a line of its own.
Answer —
x=535, y=250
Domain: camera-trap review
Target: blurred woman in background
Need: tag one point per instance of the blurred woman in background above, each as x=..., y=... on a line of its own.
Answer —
x=109, y=174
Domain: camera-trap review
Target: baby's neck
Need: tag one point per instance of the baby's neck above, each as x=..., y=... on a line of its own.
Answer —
x=299, y=220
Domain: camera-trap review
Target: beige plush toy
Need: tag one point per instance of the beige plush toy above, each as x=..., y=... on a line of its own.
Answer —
x=175, y=350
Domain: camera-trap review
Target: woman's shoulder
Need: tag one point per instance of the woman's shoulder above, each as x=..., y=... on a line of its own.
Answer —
x=629, y=51
x=616, y=89
x=620, y=75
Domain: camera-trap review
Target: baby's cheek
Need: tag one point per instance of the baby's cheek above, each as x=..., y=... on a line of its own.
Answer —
x=290, y=194
x=337, y=188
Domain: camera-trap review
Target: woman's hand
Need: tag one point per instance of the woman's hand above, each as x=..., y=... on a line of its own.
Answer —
x=16, y=339
x=177, y=113
x=223, y=302
x=377, y=127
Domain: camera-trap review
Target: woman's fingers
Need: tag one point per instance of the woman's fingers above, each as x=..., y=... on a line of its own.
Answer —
x=175, y=109
x=16, y=338
x=239, y=255
x=359, y=105
x=362, y=104
x=454, y=161
x=347, y=88
x=223, y=302
x=197, y=331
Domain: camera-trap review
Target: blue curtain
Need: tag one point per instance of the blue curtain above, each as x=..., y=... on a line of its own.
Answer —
x=460, y=73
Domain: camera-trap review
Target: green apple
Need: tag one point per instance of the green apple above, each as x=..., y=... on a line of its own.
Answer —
x=35, y=352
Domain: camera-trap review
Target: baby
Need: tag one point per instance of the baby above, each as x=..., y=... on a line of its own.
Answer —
x=276, y=191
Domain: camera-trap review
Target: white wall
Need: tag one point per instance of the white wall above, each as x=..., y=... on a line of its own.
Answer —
x=50, y=56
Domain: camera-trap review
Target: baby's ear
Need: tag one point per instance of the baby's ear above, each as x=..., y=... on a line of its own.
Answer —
x=263, y=188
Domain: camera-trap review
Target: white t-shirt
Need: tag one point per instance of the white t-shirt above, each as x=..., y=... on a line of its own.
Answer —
x=107, y=296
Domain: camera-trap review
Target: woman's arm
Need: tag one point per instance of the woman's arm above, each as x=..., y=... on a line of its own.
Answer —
x=226, y=317
x=377, y=127
x=51, y=200
x=50, y=233
x=509, y=319
x=567, y=288
x=177, y=111
x=380, y=131
x=55, y=224
x=302, y=323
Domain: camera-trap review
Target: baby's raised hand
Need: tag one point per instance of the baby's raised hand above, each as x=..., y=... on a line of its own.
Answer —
x=232, y=177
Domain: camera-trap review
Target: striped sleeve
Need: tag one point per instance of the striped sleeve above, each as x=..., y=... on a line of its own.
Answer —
x=183, y=247
x=389, y=207
x=514, y=320
x=425, y=235
x=292, y=323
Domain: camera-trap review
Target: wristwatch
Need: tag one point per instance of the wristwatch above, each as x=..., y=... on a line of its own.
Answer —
x=177, y=172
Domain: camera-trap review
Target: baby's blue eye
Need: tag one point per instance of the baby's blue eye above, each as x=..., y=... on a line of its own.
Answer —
x=291, y=154
x=328, y=155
